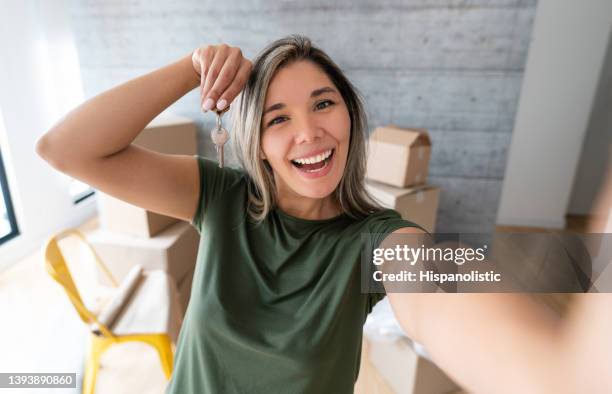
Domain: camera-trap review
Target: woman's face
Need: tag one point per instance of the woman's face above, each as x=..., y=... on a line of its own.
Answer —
x=305, y=131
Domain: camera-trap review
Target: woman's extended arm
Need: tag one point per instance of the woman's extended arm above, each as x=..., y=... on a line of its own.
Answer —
x=498, y=343
x=488, y=343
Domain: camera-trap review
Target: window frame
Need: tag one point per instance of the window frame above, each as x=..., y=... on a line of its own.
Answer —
x=10, y=211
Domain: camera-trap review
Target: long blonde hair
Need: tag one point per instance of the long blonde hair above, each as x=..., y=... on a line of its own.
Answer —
x=351, y=193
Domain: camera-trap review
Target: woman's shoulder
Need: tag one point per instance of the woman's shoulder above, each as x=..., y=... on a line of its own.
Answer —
x=216, y=184
x=380, y=216
x=211, y=165
x=387, y=220
x=217, y=177
x=377, y=226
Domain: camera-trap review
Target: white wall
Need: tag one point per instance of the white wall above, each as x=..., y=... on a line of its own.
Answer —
x=40, y=81
x=597, y=147
x=564, y=64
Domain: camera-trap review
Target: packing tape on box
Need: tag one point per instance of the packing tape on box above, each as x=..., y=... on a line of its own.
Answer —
x=420, y=196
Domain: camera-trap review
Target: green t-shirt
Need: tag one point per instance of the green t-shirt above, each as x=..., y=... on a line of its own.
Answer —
x=275, y=307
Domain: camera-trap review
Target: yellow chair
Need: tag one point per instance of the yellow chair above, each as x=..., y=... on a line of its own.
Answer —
x=103, y=337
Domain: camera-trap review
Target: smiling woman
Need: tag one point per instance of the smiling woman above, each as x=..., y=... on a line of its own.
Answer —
x=313, y=122
x=276, y=302
x=296, y=107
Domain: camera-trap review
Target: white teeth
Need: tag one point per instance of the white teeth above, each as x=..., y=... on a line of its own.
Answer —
x=314, y=159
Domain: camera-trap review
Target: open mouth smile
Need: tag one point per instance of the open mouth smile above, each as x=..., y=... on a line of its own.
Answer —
x=315, y=166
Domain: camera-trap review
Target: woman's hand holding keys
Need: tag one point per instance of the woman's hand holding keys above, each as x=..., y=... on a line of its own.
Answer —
x=223, y=73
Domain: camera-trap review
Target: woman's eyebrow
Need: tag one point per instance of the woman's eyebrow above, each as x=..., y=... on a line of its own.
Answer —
x=315, y=93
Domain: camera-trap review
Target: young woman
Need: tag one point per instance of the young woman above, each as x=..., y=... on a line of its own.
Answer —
x=276, y=305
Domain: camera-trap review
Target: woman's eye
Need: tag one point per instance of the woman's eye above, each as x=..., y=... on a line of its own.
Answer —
x=320, y=105
x=329, y=102
x=274, y=121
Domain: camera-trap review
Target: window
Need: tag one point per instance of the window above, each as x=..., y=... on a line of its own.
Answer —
x=8, y=223
x=79, y=191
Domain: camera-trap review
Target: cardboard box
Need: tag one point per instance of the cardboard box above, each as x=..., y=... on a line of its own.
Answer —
x=370, y=380
x=171, y=134
x=120, y=217
x=173, y=250
x=398, y=157
x=405, y=371
x=184, y=289
x=416, y=204
x=168, y=134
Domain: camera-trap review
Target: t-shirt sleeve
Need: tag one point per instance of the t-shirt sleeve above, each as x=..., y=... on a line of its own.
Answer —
x=383, y=224
x=214, y=181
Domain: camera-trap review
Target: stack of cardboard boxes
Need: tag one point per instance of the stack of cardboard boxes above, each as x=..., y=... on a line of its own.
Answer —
x=404, y=372
x=130, y=235
x=397, y=168
x=398, y=164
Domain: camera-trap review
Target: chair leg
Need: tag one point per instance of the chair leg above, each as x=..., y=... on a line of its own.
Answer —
x=89, y=380
x=96, y=348
x=166, y=355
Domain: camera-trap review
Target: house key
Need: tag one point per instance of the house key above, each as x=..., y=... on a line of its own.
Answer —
x=219, y=136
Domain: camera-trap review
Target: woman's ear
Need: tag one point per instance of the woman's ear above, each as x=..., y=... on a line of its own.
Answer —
x=263, y=157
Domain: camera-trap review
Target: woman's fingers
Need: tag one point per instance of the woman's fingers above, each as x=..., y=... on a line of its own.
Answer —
x=205, y=58
x=225, y=78
x=223, y=73
x=215, y=68
x=238, y=82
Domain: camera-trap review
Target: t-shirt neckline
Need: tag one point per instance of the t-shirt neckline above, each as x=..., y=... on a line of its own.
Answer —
x=309, y=221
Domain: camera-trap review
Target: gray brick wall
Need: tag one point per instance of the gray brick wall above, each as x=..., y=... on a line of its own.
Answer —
x=453, y=67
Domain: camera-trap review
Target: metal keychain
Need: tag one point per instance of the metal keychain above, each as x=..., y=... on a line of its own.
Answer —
x=219, y=135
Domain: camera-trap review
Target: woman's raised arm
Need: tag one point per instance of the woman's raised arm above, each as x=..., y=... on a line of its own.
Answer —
x=93, y=142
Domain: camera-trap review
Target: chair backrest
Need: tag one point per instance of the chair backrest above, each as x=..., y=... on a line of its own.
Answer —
x=56, y=266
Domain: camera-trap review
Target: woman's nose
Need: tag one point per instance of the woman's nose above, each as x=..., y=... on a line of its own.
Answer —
x=307, y=130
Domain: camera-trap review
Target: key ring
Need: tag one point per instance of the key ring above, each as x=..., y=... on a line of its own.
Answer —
x=220, y=112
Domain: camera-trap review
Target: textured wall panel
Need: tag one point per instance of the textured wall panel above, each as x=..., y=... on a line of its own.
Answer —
x=453, y=67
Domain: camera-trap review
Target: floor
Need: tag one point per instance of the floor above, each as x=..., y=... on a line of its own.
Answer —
x=44, y=333
x=560, y=302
